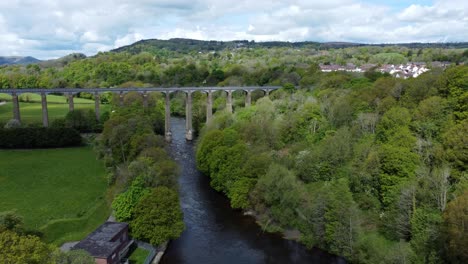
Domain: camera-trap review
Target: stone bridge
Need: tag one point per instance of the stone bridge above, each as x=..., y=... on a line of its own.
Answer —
x=144, y=92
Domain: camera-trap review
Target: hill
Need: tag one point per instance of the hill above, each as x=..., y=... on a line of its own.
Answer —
x=182, y=45
x=11, y=60
x=63, y=61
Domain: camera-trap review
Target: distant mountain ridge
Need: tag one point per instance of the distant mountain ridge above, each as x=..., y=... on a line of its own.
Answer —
x=183, y=45
x=12, y=60
x=192, y=45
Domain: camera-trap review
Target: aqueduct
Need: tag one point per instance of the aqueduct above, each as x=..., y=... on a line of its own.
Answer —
x=144, y=91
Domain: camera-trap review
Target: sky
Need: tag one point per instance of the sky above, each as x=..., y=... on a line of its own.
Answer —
x=48, y=29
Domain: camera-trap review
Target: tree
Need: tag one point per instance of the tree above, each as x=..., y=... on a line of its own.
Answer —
x=81, y=120
x=341, y=218
x=27, y=249
x=289, y=87
x=397, y=165
x=456, y=143
x=454, y=84
x=424, y=231
x=157, y=217
x=279, y=190
x=391, y=122
x=9, y=220
x=124, y=204
x=456, y=229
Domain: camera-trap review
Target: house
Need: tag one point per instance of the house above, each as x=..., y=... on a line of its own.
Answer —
x=108, y=244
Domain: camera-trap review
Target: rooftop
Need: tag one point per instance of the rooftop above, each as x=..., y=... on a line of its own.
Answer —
x=99, y=243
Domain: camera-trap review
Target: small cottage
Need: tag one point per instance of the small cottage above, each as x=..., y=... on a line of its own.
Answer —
x=108, y=244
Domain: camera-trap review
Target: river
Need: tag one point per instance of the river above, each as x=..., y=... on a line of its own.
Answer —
x=215, y=233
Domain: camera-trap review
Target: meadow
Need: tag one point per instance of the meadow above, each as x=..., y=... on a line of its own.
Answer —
x=59, y=192
x=31, y=111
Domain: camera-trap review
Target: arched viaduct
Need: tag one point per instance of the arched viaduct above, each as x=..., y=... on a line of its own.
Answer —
x=144, y=92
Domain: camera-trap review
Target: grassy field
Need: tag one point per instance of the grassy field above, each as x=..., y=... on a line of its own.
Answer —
x=51, y=99
x=138, y=256
x=32, y=112
x=60, y=192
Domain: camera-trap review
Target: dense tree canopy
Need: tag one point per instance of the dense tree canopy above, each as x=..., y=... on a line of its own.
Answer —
x=370, y=169
x=157, y=216
x=141, y=171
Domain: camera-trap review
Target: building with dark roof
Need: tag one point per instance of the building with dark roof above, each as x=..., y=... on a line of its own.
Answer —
x=108, y=244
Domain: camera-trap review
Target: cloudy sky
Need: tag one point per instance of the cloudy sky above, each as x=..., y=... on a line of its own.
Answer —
x=53, y=28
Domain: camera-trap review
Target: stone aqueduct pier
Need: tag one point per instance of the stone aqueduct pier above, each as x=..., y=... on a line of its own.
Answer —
x=144, y=92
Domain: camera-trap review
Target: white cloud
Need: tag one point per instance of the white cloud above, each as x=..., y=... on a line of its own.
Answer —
x=93, y=36
x=52, y=28
x=127, y=39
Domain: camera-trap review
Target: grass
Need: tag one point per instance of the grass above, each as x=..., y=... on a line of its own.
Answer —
x=60, y=192
x=138, y=256
x=32, y=112
x=51, y=99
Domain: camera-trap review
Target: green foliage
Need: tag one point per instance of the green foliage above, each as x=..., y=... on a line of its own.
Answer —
x=279, y=189
x=388, y=58
x=211, y=140
x=9, y=220
x=141, y=167
x=289, y=87
x=425, y=225
x=397, y=165
x=374, y=248
x=454, y=84
x=157, y=216
x=364, y=169
x=124, y=204
x=342, y=220
x=391, y=123
x=239, y=192
x=27, y=249
x=455, y=231
x=81, y=120
x=39, y=137
x=455, y=140
x=432, y=117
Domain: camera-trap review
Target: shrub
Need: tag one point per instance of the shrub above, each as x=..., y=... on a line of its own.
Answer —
x=39, y=137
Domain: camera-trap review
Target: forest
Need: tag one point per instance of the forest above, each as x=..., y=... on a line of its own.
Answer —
x=374, y=170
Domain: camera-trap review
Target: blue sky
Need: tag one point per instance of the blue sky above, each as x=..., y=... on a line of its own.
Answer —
x=54, y=28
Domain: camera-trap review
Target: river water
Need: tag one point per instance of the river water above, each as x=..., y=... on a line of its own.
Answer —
x=215, y=233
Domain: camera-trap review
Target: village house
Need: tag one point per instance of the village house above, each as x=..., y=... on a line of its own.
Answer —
x=399, y=71
x=108, y=244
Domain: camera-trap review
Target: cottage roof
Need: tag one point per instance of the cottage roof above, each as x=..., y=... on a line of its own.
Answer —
x=103, y=241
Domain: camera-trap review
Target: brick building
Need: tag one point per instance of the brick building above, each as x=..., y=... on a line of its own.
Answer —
x=108, y=244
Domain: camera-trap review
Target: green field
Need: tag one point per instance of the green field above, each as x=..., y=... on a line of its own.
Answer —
x=52, y=99
x=32, y=112
x=60, y=192
x=138, y=256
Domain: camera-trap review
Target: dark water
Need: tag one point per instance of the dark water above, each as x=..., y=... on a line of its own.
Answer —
x=214, y=232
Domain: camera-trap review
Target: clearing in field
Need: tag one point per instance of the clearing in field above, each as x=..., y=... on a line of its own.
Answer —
x=31, y=112
x=60, y=192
